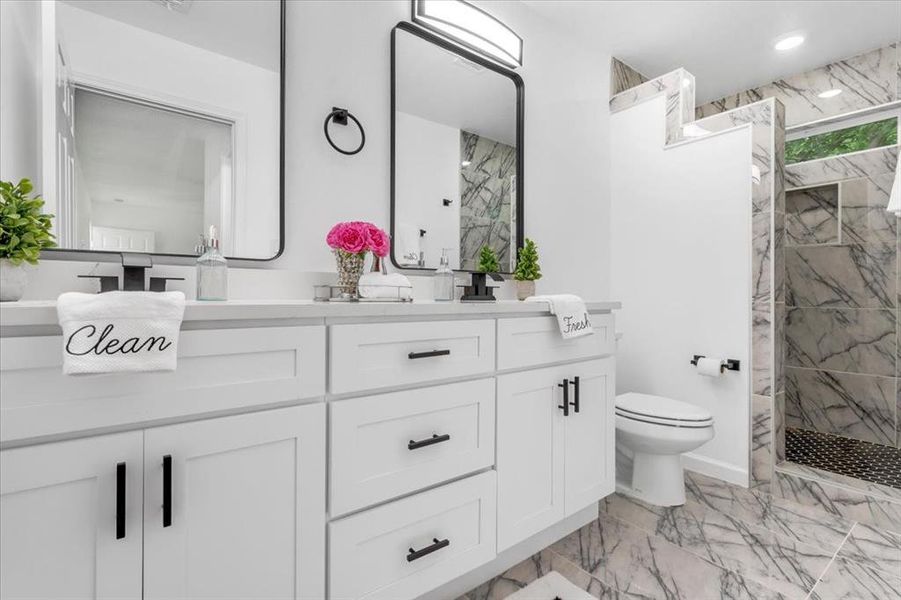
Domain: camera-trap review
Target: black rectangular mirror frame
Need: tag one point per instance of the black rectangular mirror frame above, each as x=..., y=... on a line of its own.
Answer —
x=520, y=122
x=78, y=254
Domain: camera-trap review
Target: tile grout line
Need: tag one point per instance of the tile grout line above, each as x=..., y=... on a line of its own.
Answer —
x=829, y=564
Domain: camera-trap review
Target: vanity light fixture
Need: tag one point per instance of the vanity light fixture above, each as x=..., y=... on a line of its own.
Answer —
x=789, y=42
x=830, y=93
x=471, y=27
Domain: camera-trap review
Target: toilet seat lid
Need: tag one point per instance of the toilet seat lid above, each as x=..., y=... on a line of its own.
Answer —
x=660, y=408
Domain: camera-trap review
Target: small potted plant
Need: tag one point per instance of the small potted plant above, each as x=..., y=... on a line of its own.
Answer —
x=488, y=261
x=24, y=232
x=350, y=241
x=527, y=270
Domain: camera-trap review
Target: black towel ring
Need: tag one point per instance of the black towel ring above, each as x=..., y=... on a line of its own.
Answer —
x=340, y=117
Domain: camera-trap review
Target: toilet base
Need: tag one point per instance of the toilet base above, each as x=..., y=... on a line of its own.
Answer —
x=656, y=479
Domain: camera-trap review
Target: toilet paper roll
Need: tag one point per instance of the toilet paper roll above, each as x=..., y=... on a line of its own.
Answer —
x=710, y=367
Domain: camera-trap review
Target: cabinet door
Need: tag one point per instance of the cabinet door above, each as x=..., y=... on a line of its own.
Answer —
x=589, y=456
x=530, y=449
x=70, y=518
x=246, y=507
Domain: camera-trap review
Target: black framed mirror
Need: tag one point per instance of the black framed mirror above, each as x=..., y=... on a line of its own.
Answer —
x=168, y=119
x=456, y=154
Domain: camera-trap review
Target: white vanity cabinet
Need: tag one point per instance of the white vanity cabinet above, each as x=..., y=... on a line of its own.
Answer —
x=553, y=458
x=302, y=451
x=70, y=519
x=238, y=511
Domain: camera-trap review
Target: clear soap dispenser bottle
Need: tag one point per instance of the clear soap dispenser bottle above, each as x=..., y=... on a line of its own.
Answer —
x=212, y=271
x=444, y=279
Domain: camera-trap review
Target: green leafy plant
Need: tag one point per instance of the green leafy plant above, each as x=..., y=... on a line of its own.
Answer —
x=527, y=267
x=24, y=229
x=843, y=141
x=488, y=261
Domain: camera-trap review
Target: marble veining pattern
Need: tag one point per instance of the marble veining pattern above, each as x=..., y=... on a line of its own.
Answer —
x=869, y=79
x=811, y=216
x=487, y=185
x=726, y=542
x=623, y=77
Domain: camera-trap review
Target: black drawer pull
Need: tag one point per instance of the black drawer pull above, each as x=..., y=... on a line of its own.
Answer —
x=565, y=405
x=435, y=439
x=429, y=354
x=417, y=554
x=120, y=500
x=576, y=390
x=167, y=490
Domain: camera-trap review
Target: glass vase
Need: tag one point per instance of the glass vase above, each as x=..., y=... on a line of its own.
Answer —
x=350, y=268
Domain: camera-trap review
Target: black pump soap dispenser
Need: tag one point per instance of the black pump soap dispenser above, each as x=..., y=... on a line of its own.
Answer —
x=479, y=290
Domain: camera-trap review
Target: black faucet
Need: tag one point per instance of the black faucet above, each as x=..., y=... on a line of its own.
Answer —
x=133, y=266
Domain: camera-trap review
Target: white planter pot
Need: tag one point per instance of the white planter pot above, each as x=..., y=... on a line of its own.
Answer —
x=524, y=289
x=13, y=279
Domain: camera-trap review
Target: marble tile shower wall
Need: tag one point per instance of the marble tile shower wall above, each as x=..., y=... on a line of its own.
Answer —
x=842, y=297
x=487, y=186
x=623, y=77
x=869, y=79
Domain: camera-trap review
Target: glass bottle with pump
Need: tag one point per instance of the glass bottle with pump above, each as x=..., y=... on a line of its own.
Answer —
x=444, y=279
x=212, y=271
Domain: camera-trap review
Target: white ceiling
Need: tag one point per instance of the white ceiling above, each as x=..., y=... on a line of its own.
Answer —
x=247, y=30
x=439, y=86
x=726, y=45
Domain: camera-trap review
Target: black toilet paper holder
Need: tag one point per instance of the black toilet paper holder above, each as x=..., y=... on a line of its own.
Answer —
x=731, y=364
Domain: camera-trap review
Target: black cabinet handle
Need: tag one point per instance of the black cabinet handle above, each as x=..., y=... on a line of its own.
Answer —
x=429, y=354
x=576, y=395
x=417, y=554
x=167, y=490
x=565, y=405
x=120, y=500
x=435, y=439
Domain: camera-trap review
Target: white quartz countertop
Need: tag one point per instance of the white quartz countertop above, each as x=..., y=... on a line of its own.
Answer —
x=43, y=312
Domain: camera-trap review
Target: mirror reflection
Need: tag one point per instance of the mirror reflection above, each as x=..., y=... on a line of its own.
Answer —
x=456, y=160
x=166, y=122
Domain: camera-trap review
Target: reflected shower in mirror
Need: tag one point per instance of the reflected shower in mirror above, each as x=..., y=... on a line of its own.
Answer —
x=457, y=160
x=166, y=121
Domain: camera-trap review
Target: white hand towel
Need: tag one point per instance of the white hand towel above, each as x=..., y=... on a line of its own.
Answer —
x=408, y=244
x=120, y=331
x=572, y=316
x=894, y=201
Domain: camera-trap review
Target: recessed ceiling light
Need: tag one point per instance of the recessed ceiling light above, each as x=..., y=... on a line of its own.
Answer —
x=789, y=42
x=829, y=93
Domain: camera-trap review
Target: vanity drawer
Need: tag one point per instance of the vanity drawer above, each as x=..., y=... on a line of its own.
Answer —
x=392, y=444
x=370, y=356
x=218, y=370
x=370, y=553
x=536, y=341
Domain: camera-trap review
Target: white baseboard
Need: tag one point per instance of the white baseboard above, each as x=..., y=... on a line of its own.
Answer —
x=714, y=468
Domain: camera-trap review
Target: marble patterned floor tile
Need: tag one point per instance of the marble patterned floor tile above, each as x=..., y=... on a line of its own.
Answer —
x=847, y=404
x=839, y=500
x=804, y=524
x=811, y=216
x=848, y=276
x=756, y=553
x=850, y=580
x=873, y=547
x=841, y=339
x=631, y=560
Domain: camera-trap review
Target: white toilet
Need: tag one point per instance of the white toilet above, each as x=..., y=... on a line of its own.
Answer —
x=652, y=432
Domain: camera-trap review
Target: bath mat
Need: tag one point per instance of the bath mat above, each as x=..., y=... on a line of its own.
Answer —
x=551, y=587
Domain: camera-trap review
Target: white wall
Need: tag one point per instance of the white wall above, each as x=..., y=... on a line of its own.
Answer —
x=681, y=263
x=428, y=170
x=20, y=28
x=338, y=54
x=566, y=136
x=130, y=59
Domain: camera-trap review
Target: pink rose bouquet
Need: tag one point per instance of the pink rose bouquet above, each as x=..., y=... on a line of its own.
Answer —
x=358, y=237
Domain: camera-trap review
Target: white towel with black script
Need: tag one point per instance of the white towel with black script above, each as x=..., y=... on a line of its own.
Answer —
x=120, y=331
x=572, y=316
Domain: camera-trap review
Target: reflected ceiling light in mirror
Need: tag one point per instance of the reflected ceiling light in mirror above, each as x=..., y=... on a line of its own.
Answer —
x=829, y=93
x=470, y=26
x=788, y=42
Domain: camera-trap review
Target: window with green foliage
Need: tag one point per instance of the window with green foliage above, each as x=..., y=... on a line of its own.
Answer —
x=843, y=141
